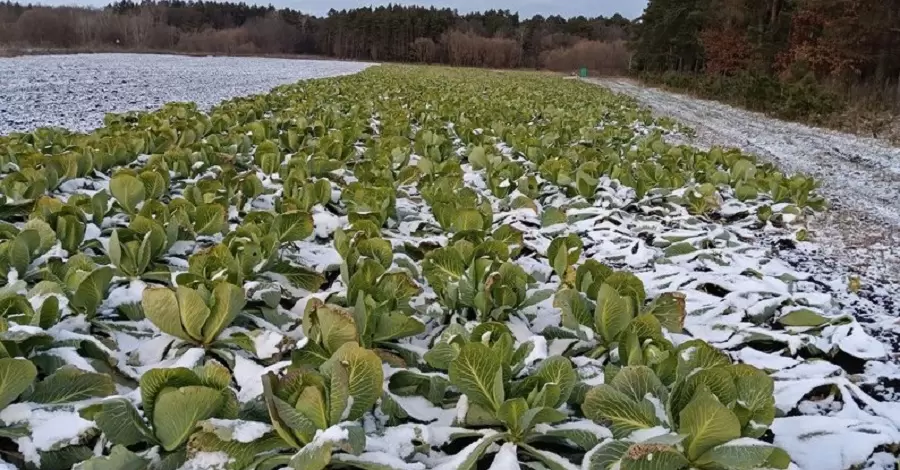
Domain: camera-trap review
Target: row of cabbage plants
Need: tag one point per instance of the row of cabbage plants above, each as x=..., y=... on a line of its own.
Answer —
x=407, y=268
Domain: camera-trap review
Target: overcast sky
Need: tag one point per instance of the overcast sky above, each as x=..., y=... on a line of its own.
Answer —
x=526, y=8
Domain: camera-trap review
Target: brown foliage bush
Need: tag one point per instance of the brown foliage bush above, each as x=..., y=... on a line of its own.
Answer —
x=469, y=50
x=47, y=27
x=604, y=58
x=271, y=34
x=424, y=50
x=727, y=51
x=222, y=41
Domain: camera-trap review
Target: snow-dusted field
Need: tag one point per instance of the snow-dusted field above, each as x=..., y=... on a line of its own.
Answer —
x=858, y=236
x=757, y=291
x=75, y=91
x=860, y=177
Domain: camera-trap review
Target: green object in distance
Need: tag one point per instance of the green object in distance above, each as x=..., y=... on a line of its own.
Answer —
x=583, y=73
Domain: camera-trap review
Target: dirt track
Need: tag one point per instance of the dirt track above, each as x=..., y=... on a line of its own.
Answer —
x=860, y=177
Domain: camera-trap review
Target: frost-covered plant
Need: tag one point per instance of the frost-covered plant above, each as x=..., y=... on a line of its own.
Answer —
x=797, y=189
x=365, y=270
x=703, y=199
x=196, y=316
x=18, y=308
x=243, y=188
x=458, y=209
x=502, y=175
x=267, y=157
x=369, y=202
x=313, y=410
x=330, y=327
x=433, y=145
x=28, y=184
x=133, y=250
x=128, y=191
x=710, y=417
x=252, y=251
x=522, y=410
x=476, y=277
x=173, y=401
x=80, y=279
x=68, y=221
x=564, y=253
x=300, y=193
x=19, y=248
x=495, y=335
x=66, y=384
x=618, y=314
x=336, y=145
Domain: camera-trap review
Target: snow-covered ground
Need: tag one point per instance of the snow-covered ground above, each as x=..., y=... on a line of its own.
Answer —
x=860, y=177
x=75, y=91
x=859, y=235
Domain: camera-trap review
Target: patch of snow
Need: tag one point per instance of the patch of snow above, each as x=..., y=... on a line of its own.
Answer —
x=455, y=461
x=53, y=428
x=746, y=442
x=539, y=352
x=28, y=450
x=248, y=376
x=207, y=461
x=765, y=361
x=658, y=407
x=584, y=425
x=240, y=430
x=419, y=408
x=856, y=342
x=190, y=358
x=325, y=223
x=829, y=443
x=507, y=458
x=266, y=343
x=462, y=408
x=334, y=435
x=71, y=356
x=15, y=413
x=129, y=294
x=641, y=435
x=378, y=458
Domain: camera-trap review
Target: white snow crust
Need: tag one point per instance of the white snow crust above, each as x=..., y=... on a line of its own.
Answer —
x=75, y=91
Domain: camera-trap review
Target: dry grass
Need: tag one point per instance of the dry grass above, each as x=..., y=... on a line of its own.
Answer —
x=10, y=52
x=870, y=121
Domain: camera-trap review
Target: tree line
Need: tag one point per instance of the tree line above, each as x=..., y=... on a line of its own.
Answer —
x=802, y=59
x=495, y=38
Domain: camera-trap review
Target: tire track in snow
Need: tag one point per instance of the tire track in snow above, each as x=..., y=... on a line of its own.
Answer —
x=859, y=176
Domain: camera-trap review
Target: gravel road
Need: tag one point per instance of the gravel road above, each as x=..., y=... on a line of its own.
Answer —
x=860, y=177
x=75, y=91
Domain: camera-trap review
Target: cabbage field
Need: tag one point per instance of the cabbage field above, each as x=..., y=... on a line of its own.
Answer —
x=423, y=268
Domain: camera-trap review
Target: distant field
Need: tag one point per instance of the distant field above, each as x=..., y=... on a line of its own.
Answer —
x=75, y=91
